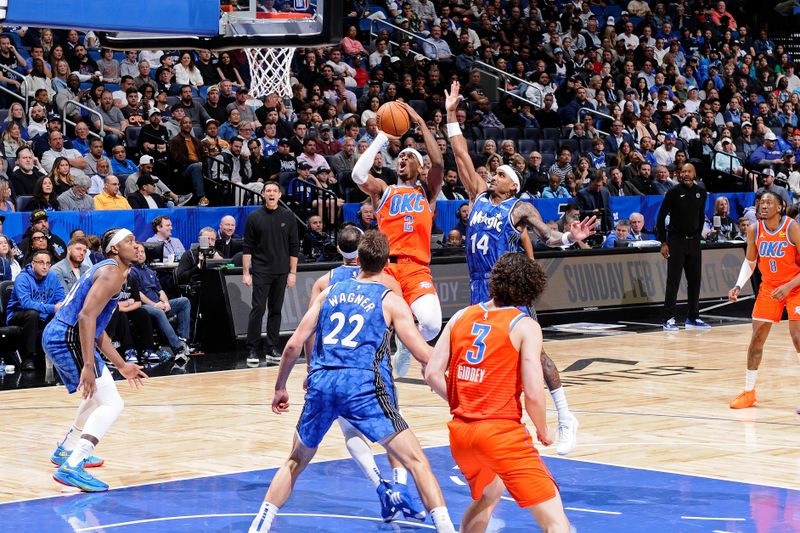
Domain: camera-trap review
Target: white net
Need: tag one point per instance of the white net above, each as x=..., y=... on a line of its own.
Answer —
x=270, y=71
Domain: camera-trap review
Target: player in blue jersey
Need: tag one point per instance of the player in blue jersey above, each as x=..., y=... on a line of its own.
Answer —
x=71, y=341
x=361, y=452
x=351, y=377
x=495, y=224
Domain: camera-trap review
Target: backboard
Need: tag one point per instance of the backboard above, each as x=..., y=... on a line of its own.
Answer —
x=250, y=24
x=176, y=24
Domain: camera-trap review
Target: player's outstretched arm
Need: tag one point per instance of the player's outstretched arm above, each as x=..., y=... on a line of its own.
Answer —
x=368, y=183
x=436, y=173
x=524, y=214
x=440, y=361
x=473, y=183
x=749, y=263
x=527, y=334
x=396, y=310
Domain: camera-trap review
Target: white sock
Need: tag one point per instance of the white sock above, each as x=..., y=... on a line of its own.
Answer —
x=400, y=475
x=360, y=452
x=750, y=379
x=72, y=438
x=560, y=399
x=83, y=450
x=441, y=520
x=263, y=520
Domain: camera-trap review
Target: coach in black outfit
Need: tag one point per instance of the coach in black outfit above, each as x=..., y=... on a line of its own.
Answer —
x=271, y=246
x=685, y=204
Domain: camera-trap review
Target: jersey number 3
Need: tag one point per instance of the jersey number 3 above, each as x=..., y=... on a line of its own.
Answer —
x=348, y=341
x=474, y=357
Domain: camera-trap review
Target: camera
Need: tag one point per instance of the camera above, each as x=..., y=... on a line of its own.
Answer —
x=205, y=249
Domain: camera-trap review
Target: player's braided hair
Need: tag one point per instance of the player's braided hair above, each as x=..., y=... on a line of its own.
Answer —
x=516, y=280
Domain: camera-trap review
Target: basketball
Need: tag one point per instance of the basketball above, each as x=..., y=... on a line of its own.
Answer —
x=393, y=119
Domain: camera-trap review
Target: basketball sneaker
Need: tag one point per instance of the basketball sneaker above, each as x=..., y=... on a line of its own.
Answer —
x=131, y=357
x=671, y=325
x=150, y=357
x=401, y=360
x=567, y=435
x=60, y=456
x=79, y=478
x=697, y=324
x=182, y=354
x=253, y=360
x=388, y=510
x=745, y=400
x=402, y=501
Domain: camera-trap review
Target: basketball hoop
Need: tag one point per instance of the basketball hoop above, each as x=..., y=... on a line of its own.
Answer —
x=270, y=71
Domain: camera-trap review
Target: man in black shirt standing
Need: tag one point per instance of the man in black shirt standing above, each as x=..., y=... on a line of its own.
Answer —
x=271, y=247
x=685, y=205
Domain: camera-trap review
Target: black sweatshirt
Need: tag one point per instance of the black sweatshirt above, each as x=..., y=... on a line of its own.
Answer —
x=686, y=208
x=271, y=238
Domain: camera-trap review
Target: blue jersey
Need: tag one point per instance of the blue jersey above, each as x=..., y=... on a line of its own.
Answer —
x=344, y=273
x=490, y=234
x=73, y=304
x=351, y=330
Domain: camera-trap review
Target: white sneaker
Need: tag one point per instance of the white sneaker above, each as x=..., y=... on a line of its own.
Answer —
x=567, y=435
x=401, y=360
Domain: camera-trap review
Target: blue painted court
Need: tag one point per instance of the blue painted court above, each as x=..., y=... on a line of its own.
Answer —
x=333, y=496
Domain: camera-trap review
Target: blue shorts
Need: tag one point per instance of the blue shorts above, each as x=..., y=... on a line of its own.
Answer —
x=366, y=400
x=479, y=292
x=62, y=345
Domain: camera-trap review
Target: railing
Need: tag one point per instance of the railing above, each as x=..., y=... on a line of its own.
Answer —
x=502, y=75
x=308, y=200
x=65, y=120
x=24, y=96
x=411, y=34
x=586, y=111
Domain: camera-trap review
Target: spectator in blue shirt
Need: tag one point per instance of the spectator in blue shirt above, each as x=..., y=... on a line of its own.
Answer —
x=767, y=154
x=554, y=188
x=622, y=233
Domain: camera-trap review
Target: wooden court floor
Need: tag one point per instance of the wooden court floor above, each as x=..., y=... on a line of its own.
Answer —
x=651, y=400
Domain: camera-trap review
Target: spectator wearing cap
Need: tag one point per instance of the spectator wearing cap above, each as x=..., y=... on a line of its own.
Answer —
x=146, y=197
x=110, y=198
x=213, y=106
x=246, y=113
x=768, y=180
x=298, y=189
x=725, y=159
x=39, y=222
x=193, y=109
x=237, y=168
x=665, y=154
x=326, y=144
x=186, y=154
x=77, y=198
x=281, y=162
x=212, y=143
x=767, y=154
x=747, y=141
x=153, y=137
x=57, y=150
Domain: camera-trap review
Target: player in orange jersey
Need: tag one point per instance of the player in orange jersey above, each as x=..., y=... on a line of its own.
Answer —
x=405, y=215
x=486, y=356
x=773, y=242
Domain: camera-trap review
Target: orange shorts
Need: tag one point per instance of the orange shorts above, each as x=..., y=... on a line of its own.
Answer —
x=504, y=448
x=414, y=279
x=769, y=309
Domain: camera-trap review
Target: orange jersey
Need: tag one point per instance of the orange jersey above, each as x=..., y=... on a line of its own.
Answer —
x=777, y=254
x=406, y=218
x=485, y=380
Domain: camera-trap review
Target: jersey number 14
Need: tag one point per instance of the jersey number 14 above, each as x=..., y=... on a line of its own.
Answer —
x=481, y=244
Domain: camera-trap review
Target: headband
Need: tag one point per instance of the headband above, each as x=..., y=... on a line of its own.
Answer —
x=117, y=238
x=348, y=255
x=416, y=154
x=511, y=173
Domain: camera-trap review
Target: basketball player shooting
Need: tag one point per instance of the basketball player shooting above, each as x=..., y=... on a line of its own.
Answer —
x=495, y=227
x=405, y=215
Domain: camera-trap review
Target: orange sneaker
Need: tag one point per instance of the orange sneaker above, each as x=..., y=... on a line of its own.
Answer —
x=744, y=400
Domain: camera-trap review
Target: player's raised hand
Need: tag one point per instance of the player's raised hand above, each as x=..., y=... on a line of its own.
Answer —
x=453, y=98
x=280, y=402
x=412, y=113
x=134, y=374
x=583, y=229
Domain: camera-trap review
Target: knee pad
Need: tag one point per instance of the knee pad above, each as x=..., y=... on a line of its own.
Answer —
x=107, y=394
x=428, y=312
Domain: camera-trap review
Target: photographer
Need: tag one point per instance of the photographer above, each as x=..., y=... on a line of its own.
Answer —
x=192, y=262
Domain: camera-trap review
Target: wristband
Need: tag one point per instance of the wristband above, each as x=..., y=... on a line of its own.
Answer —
x=565, y=240
x=453, y=130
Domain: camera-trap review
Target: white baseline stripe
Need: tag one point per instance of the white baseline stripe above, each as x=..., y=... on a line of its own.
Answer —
x=727, y=519
x=598, y=511
x=249, y=515
x=457, y=480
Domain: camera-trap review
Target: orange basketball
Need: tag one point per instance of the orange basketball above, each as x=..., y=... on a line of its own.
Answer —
x=393, y=119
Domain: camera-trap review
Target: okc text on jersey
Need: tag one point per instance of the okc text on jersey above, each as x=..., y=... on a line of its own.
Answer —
x=772, y=249
x=407, y=203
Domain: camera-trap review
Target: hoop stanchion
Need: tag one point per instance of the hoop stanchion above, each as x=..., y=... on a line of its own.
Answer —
x=270, y=71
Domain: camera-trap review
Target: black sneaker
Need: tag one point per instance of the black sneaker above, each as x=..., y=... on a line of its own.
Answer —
x=28, y=365
x=273, y=356
x=253, y=360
